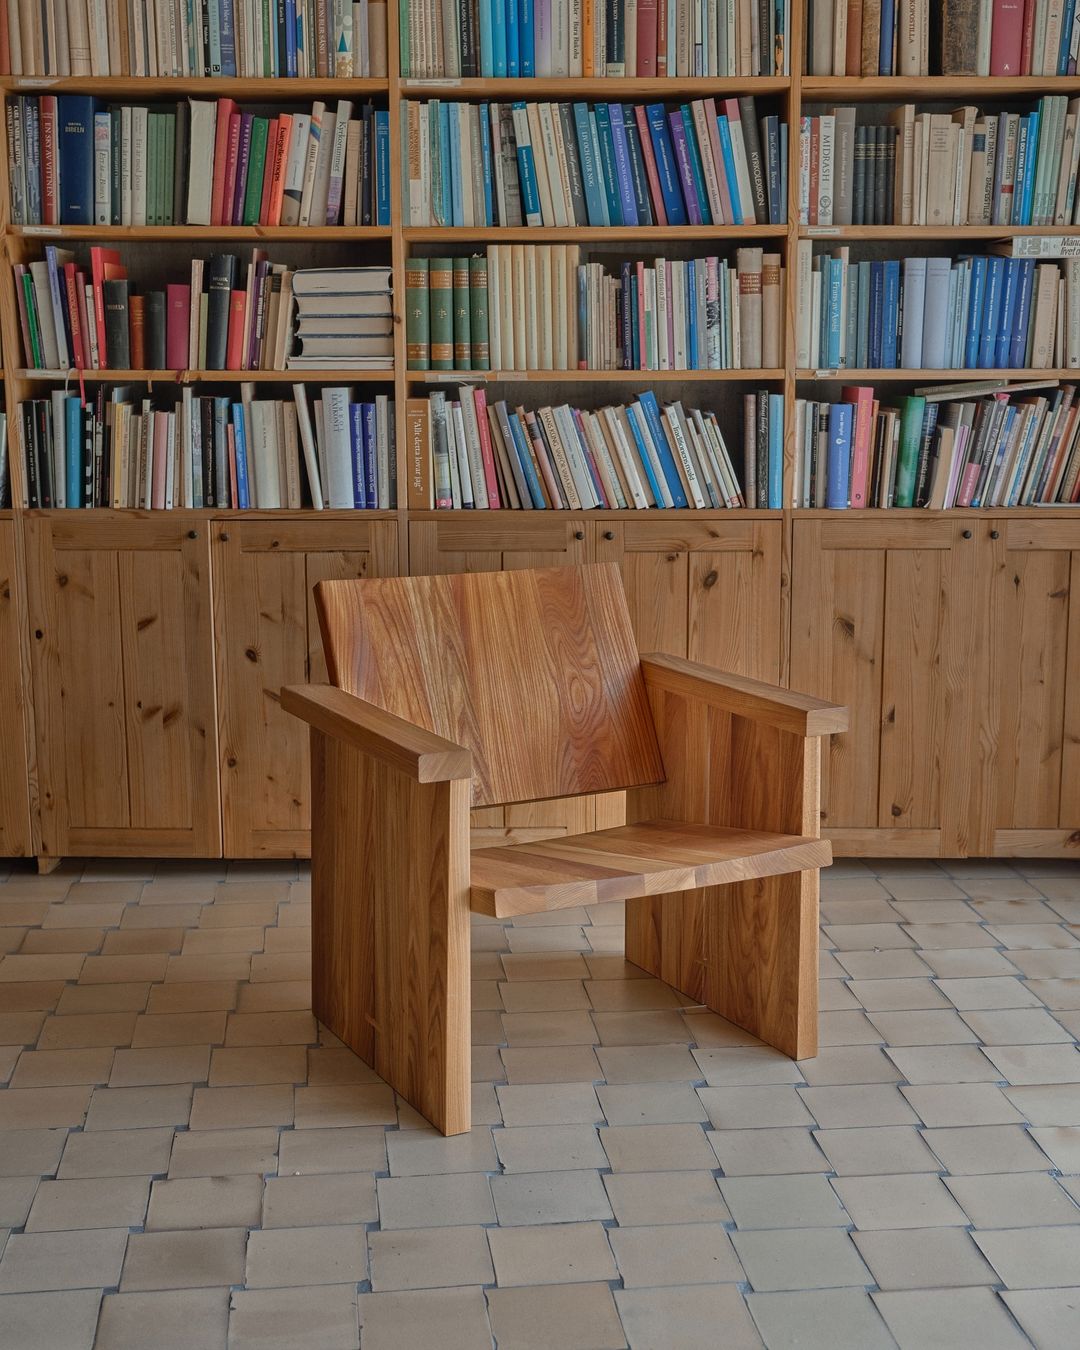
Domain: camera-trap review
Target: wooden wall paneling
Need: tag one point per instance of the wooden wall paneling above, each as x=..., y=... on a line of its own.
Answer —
x=16, y=839
x=267, y=636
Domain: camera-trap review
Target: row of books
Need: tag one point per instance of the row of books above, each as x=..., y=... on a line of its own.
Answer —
x=942, y=37
x=603, y=164
x=958, y=168
x=305, y=39
x=936, y=313
x=938, y=449
x=199, y=162
x=593, y=38
x=122, y=449
x=468, y=453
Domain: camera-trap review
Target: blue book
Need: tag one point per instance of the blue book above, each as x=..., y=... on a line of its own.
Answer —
x=696, y=169
x=637, y=168
x=1027, y=186
x=776, y=451
x=227, y=30
x=781, y=215
x=73, y=450
x=382, y=167
x=498, y=34
x=1018, y=341
x=194, y=42
x=356, y=457
x=527, y=37
x=1001, y=445
x=213, y=35
x=595, y=199
x=862, y=346
x=1009, y=301
x=885, y=47
x=991, y=312
x=609, y=175
x=892, y=311
x=487, y=40
x=666, y=168
x=1067, y=21
x=457, y=207
x=632, y=415
x=838, y=472
x=243, y=492
x=1025, y=156
x=517, y=432
x=974, y=315
x=621, y=154
x=75, y=134
x=834, y=296
x=447, y=187
x=485, y=156
x=513, y=37
x=730, y=172
x=530, y=195
x=851, y=316
x=647, y=402
x=877, y=313
x=369, y=433
x=690, y=304
x=771, y=142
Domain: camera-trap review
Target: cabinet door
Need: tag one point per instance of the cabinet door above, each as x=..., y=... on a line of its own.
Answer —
x=474, y=545
x=15, y=837
x=123, y=669
x=267, y=637
x=1031, y=717
x=884, y=620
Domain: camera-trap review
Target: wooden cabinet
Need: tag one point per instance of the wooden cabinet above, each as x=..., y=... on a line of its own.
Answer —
x=267, y=636
x=15, y=833
x=885, y=619
x=122, y=655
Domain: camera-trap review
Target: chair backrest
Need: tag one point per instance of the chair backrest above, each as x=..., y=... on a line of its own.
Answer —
x=537, y=672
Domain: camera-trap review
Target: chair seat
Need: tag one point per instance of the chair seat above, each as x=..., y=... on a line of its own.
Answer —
x=650, y=857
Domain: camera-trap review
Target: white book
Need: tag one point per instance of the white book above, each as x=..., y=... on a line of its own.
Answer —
x=803, y=304
x=338, y=448
x=170, y=463
x=102, y=168
x=336, y=181
x=320, y=190
x=307, y=443
x=202, y=134
x=186, y=495
x=295, y=167
x=672, y=426
x=471, y=430
x=461, y=454
x=626, y=460
x=266, y=453
x=575, y=458
x=58, y=399
x=39, y=272
x=826, y=162
x=382, y=451
x=316, y=129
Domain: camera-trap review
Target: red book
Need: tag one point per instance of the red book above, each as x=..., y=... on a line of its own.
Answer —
x=491, y=479
x=105, y=265
x=73, y=283
x=862, y=396
x=5, y=42
x=137, y=332
x=50, y=175
x=226, y=108
x=177, y=325
x=277, y=173
x=650, y=164
x=273, y=134
x=853, y=55
x=1007, y=37
x=661, y=38
x=646, y=39
x=1027, y=43
x=230, y=432
x=232, y=159
x=234, y=345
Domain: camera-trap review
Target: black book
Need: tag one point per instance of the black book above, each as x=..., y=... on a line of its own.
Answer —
x=762, y=482
x=615, y=34
x=206, y=415
x=283, y=39
x=154, y=329
x=29, y=440
x=97, y=428
x=86, y=432
x=220, y=282
x=115, y=166
x=925, y=461
x=367, y=159
x=858, y=193
x=573, y=167
x=117, y=335
x=767, y=29
x=754, y=160
x=180, y=163
x=469, y=26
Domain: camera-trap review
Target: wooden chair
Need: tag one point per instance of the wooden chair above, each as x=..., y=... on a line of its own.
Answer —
x=451, y=692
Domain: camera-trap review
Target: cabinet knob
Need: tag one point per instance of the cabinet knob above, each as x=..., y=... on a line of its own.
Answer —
x=193, y=534
x=967, y=534
x=38, y=634
x=224, y=536
x=609, y=534
x=995, y=534
x=579, y=534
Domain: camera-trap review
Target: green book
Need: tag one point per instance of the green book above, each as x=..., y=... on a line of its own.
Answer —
x=417, y=315
x=168, y=167
x=478, y=312
x=36, y=359
x=441, y=295
x=403, y=35
x=260, y=130
x=907, y=461
x=151, y=168
x=155, y=148
x=462, y=328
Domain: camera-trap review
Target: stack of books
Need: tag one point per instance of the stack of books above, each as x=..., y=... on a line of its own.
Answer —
x=468, y=453
x=941, y=37
x=939, y=448
x=602, y=164
x=553, y=38
x=198, y=162
x=305, y=39
x=120, y=449
x=959, y=168
x=345, y=319
x=936, y=313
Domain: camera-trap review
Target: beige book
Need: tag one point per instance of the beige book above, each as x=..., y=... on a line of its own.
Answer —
x=1068, y=145
x=614, y=435
x=563, y=471
x=572, y=255
x=606, y=462
x=919, y=183
x=1044, y=326
x=418, y=450
x=839, y=51
x=291, y=439
x=543, y=185
x=477, y=165
x=509, y=323
x=564, y=167
x=1072, y=313
x=351, y=187
x=561, y=216
x=377, y=44
x=532, y=305
x=557, y=314
x=519, y=254
x=942, y=465
x=508, y=482
x=545, y=344
x=941, y=175
x=771, y=311
x=495, y=351
x=749, y=264
x=965, y=118
x=908, y=38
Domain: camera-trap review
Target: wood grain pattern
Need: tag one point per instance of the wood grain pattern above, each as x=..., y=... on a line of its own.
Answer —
x=651, y=857
x=1069, y=818
x=15, y=831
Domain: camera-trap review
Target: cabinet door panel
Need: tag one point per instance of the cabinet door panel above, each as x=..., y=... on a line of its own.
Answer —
x=268, y=636
x=734, y=590
x=15, y=834
x=655, y=572
x=123, y=674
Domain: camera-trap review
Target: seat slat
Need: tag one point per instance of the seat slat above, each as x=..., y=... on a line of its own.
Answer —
x=652, y=857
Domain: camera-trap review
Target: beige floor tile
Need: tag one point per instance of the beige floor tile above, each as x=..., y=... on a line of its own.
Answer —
x=424, y=1152
x=544, y=1028
x=1034, y=936
x=908, y=1200
x=271, y=1028
x=639, y=1028
x=651, y=1104
x=319, y=1318
x=244, y=1067
x=554, y=1064
x=1061, y=1144
x=348, y=1150
x=866, y=936
x=674, y=1255
x=242, y=1107
x=160, y=1064
x=142, y=941
x=1032, y=1258
x=31, y=1152
x=962, y=1104
x=1047, y=965
x=851, y=911
x=757, y=1152
x=922, y=1028
x=34, y=1262
x=139, y=1107
x=835, y=996
x=52, y=941
x=16, y=1196
x=707, y=1030
x=214, y=1153
x=123, y=969
x=612, y=966
x=20, y=1028
x=876, y=1151
x=1028, y=1200
x=975, y=995
x=687, y=1317
x=656, y=1148
x=434, y=1201
x=820, y=1320
x=1024, y=1065
x=211, y=969
x=897, y=995
x=893, y=963
x=55, y=1321
x=159, y=1029
x=746, y=1066
x=330, y=1254
x=437, y=1258
x=549, y=1104
x=17, y=969
x=847, y=1028
x=180, y=1318
x=59, y=1068
x=100, y=1202
x=337, y=1064
x=222, y=941
x=552, y=1254
x=86, y=1030
x=547, y=1148
x=294, y=939
x=124, y=886
x=267, y=890
x=733, y=1108
x=647, y=1064
x=158, y=914
x=924, y=1318
x=335, y=1106
x=9, y=1057
x=194, y=1259
x=302, y=1202
x=849, y=1064
x=640, y=1198
x=799, y=1258
x=571, y=1316
x=944, y=1064
x=519, y=996
x=549, y=1197
x=425, y=1319
x=570, y=938
x=634, y=996
x=1068, y=1021
x=35, y=996
x=1049, y=1104
x=195, y=996
x=43, y=1108
x=923, y=1258
x=537, y=966
x=205, y=1202
x=857, y=1105
x=798, y=1201
x=1049, y=1316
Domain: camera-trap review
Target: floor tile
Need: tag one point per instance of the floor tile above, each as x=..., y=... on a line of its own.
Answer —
x=928, y=1319
x=549, y=1104
x=571, y=1316
x=656, y=1148
x=318, y=1318
x=180, y=1318
x=332, y=1254
x=1033, y=1258
x=757, y=1152
x=425, y=1319
x=1049, y=1316
x=572, y=1253
x=205, y=1202
x=820, y=1320
x=436, y=1258
x=311, y=1201
x=432, y=1201
x=962, y=1104
x=100, y=1202
x=782, y=1202
x=908, y=1200
x=184, y=1260
x=857, y=1105
x=64, y=1320
x=687, y=1317
x=640, y=1198
x=800, y=1258
x=923, y=1258
x=650, y=1104
x=969, y=1150
x=549, y=1197
x=674, y=1255
x=1028, y=1200
x=732, y=1108
x=878, y=1151
x=34, y=1262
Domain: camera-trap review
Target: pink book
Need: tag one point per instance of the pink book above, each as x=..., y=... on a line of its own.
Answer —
x=177, y=325
x=161, y=459
x=1007, y=37
x=491, y=480
x=650, y=164
x=586, y=450
x=642, y=349
x=232, y=159
x=668, y=286
x=225, y=111
x=862, y=395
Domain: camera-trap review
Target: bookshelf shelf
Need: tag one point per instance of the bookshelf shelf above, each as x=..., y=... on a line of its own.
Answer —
x=947, y=376
x=628, y=87
x=160, y=90
x=437, y=377
x=213, y=233
x=893, y=88
x=209, y=376
x=910, y=233
x=496, y=234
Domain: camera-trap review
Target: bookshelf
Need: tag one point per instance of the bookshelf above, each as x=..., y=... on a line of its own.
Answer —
x=151, y=646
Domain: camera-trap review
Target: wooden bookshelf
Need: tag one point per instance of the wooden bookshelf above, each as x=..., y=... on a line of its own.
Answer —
x=963, y=682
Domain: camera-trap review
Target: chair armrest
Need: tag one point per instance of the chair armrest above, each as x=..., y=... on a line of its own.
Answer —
x=413, y=750
x=783, y=709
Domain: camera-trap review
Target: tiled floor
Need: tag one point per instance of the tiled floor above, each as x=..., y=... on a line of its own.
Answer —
x=186, y=1160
